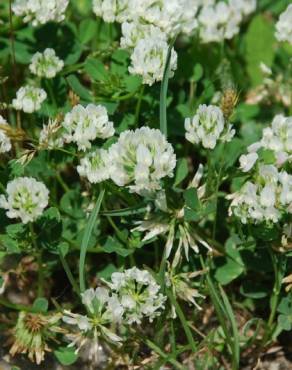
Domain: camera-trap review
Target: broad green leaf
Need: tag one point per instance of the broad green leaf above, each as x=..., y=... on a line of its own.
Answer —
x=87, y=30
x=66, y=355
x=79, y=89
x=40, y=305
x=181, y=171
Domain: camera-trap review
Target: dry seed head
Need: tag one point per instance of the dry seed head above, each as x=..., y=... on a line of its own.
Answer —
x=73, y=98
x=13, y=133
x=228, y=102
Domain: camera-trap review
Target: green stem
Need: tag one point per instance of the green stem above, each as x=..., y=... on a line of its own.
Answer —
x=14, y=306
x=69, y=273
x=62, y=182
x=39, y=257
x=138, y=106
x=183, y=321
x=164, y=355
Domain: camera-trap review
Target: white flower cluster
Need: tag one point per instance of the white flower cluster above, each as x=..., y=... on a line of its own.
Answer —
x=40, y=11
x=221, y=20
x=140, y=159
x=131, y=296
x=103, y=309
x=170, y=16
x=149, y=57
x=138, y=294
x=85, y=124
x=29, y=99
x=46, y=64
x=264, y=199
x=94, y=166
x=5, y=142
x=277, y=138
x=284, y=25
x=26, y=199
x=208, y=126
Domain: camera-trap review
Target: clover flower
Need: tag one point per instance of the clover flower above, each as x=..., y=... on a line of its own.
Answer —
x=5, y=142
x=29, y=99
x=32, y=333
x=40, y=11
x=138, y=293
x=26, y=199
x=46, y=64
x=94, y=166
x=221, y=20
x=140, y=159
x=85, y=124
x=284, y=25
x=112, y=10
x=276, y=138
x=133, y=32
x=149, y=58
x=103, y=309
x=264, y=198
x=208, y=127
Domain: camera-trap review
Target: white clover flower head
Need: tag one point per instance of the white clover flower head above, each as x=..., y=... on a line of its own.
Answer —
x=132, y=32
x=140, y=159
x=94, y=166
x=46, y=64
x=284, y=25
x=265, y=199
x=40, y=11
x=278, y=138
x=149, y=58
x=112, y=10
x=138, y=293
x=85, y=124
x=5, y=142
x=29, y=99
x=221, y=20
x=26, y=199
x=207, y=127
x=248, y=161
x=103, y=309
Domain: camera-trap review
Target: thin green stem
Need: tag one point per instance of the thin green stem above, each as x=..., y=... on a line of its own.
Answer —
x=164, y=355
x=138, y=106
x=39, y=257
x=14, y=306
x=183, y=321
x=62, y=182
x=69, y=274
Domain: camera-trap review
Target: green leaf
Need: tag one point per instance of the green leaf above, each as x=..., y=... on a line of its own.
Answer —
x=254, y=290
x=86, y=237
x=80, y=90
x=260, y=41
x=87, y=30
x=95, y=69
x=181, y=171
x=11, y=245
x=40, y=305
x=198, y=72
x=66, y=355
x=112, y=245
x=191, y=198
x=231, y=266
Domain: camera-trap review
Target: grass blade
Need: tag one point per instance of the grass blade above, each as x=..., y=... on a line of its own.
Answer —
x=163, y=91
x=85, y=239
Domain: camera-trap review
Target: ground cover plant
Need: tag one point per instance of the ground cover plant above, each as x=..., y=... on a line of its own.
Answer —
x=145, y=183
